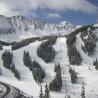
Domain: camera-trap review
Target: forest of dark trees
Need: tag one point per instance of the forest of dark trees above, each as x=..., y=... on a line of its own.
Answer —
x=37, y=71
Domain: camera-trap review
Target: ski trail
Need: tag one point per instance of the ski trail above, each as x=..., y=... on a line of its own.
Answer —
x=63, y=59
x=86, y=59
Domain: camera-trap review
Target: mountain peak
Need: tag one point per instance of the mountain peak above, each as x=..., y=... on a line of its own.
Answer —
x=23, y=24
x=64, y=22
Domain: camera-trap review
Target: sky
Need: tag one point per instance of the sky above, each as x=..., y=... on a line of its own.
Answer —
x=77, y=12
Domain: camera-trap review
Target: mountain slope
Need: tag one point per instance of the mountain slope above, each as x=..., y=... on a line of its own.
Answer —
x=20, y=27
x=77, y=51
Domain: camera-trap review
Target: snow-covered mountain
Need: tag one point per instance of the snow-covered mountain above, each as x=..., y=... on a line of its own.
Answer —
x=76, y=53
x=42, y=46
x=21, y=26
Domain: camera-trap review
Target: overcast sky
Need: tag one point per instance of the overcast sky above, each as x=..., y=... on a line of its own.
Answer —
x=53, y=11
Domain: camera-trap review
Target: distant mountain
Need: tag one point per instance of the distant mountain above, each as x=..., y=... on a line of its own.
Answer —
x=21, y=24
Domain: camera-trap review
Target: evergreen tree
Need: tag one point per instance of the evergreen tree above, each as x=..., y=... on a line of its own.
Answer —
x=12, y=67
x=38, y=72
x=46, y=51
x=37, y=75
x=0, y=71
x=57, y=68
x=73, y=75
x=41, y=93
x=56, y=84
x=74, y=55
x=7, y=59
x=83, y=91
x=67, y=96
x=15, y=71
x=17, y=74
x=7, y=62
x=47, y=93
x=27, y=60
x=96, y=64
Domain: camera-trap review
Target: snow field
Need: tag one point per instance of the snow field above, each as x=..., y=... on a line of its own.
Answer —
x=86, y=72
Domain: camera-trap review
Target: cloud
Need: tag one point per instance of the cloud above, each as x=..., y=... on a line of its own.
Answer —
x=26, y=6
x=97, y=20
x=5, y=10
x=76, y=5
x=17, y=7
x=54, y=15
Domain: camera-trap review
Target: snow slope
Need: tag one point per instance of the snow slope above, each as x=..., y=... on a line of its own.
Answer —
x=86, y=71
x=27, y=83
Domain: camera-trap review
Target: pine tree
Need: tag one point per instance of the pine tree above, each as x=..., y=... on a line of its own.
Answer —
x=83, y=91
x=0, y=71
x=7, y=59
x=41, y=93
x=17, y=74
x=56, y=84
x=67, y=96
x=27, y=60
x=46, y=51
x=95, y=63
x=37, y=71
x=57, y=68
x=12, y=67
x=47, y=93
x=15, y=71
x=73, y=75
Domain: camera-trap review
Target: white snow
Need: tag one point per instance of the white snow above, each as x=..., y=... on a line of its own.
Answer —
x=23, y=27
x=78, y=26
x=90, y=79
x=96, y=25
x=7, y=48
x=86, y=72
x=27, y=83
x=79, y=43
x=63, y=60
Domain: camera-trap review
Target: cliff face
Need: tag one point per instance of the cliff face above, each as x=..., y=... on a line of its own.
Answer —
x=17, y=24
